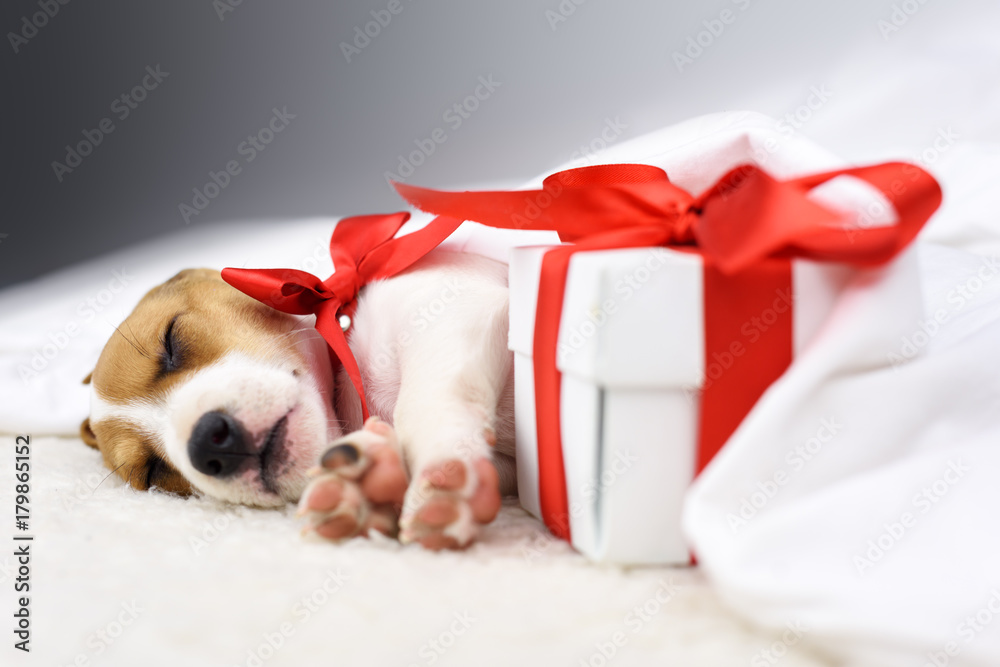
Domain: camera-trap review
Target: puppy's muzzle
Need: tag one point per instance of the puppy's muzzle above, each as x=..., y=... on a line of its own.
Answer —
x=218, y=445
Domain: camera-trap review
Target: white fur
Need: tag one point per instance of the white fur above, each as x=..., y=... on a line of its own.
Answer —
x=432, y=347
x=145, y=414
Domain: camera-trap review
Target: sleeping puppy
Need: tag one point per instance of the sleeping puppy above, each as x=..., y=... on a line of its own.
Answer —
x=203, y=389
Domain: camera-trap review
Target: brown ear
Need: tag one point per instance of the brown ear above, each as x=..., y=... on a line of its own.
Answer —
x=86, y=380
x=87, y=433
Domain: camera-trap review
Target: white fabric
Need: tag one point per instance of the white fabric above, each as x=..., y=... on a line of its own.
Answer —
x=806, y=554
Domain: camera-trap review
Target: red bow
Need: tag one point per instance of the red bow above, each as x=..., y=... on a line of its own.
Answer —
x=745, y=227
x=746, y=216
x=363, y=249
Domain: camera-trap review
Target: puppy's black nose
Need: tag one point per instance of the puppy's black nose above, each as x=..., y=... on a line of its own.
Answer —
x=217, y=446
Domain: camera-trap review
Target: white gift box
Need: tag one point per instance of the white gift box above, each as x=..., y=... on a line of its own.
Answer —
x=631, y=353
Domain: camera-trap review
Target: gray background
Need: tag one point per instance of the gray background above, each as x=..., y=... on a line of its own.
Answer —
x=559, y=86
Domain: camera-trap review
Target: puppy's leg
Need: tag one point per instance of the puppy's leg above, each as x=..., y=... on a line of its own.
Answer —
x=446, y=421
x=432, y=345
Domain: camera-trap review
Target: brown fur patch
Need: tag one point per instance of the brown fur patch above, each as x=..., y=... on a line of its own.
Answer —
x=87, y=433
x=210, y=319
x=131, y=454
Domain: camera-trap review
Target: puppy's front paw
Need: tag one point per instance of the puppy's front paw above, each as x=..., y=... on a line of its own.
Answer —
x=358, y=486
x=448, y=501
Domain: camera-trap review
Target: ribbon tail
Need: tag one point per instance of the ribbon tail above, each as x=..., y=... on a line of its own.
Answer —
x=748, y=215
x=574, y=212
x=358, y=235
x=401, y=252
x=739, y=369
x=329, y=328
x=548, y=383
x=913, y=193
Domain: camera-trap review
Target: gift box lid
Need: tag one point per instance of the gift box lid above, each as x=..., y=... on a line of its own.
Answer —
x=635, y=317
x=627, y=314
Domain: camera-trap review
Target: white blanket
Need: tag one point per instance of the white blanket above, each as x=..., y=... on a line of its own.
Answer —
x=881, y=538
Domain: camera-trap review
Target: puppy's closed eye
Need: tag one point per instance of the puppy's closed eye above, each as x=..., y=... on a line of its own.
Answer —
x=172, y=355
x=160, y=474
x=154, y=469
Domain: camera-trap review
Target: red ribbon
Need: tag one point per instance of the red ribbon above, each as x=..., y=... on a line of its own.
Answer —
x=746, y=228
x=363, y=249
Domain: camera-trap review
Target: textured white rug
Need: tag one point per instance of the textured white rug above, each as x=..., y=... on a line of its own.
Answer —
x=128, y=578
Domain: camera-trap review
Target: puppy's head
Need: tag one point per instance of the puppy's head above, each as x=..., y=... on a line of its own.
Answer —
x=204, y=388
